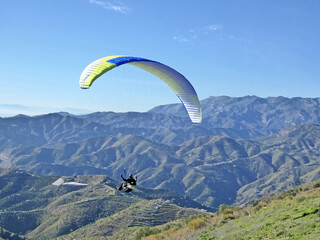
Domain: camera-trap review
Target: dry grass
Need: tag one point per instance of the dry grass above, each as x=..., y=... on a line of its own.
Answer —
x=198, y=223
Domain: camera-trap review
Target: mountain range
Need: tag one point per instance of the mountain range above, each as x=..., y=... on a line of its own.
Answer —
x=245, y=147
x=32, y=207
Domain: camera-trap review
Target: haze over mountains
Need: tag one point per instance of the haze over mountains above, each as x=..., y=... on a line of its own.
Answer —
x=246, y=147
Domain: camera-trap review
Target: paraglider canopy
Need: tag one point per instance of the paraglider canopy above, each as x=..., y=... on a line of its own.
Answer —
x=176, y=81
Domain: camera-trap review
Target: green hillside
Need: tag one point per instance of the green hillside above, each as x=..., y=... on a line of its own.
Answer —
x=125, y=224
x=292, y=214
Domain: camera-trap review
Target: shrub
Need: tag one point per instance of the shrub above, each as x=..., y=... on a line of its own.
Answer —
x=287, y=198
x=197, y=223
x=254, y=203
x=145, y=231
x=259, y=206
x=225, y=209
x=228, y=216
x=222, y=208
x=228, y=211
x=205, y=236
x=192, y=217
x=301, y=199
x=316, y=185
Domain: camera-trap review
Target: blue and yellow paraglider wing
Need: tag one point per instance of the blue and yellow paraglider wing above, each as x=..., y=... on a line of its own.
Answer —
x=176, y=81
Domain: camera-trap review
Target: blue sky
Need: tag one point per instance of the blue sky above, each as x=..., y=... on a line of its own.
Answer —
x=223, y=47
